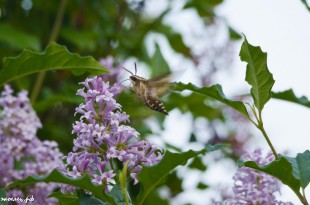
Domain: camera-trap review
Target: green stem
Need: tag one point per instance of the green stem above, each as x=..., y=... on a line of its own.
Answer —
x=260, y=126
x=53, y=37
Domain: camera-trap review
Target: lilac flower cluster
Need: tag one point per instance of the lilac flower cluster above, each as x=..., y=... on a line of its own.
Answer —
x=103, y=138
x=254, y=187
x=21, y=153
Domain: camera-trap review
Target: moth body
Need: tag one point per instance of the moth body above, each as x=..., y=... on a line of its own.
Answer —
x=148, y=92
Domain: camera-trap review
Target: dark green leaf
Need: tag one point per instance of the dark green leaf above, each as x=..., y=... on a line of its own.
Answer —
x=77, y=198
x=174, y=183
x=215, y=92
x=289, y=95
x=257, y=73
x=198, y=164
x=56, y=176
x=18, y=39
x=281, y=169
x=66, y=199
x=203, y=8
x=84, y=40
x=151, y=177
x=53, y=58
x=117, y=195
x=3, y=195
x=301, y=167
x=201, y=185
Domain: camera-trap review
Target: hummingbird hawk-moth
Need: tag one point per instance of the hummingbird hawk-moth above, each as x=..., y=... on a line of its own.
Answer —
x=149, y=91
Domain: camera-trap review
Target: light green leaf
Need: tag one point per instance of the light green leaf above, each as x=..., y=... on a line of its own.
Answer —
x=158, y=63
x=257, y=73
x=151, y=177
x=289, y=95
x=53, y=58
x=215, y=92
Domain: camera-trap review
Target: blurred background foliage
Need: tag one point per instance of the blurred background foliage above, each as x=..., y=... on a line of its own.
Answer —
x=130, y=31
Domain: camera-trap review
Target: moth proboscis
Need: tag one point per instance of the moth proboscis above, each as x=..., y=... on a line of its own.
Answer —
x=149, y=91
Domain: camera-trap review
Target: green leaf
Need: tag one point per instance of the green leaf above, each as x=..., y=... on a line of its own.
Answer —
x=67, y=198
x=86, y=40
x=306, y=4
x=257, y=73
x=18, y=39
x=301, y=167
x=56, y=176
x=215, y=92
x=3, y=195
x=151, y=177
x=282, y=169
x=158, y=63
x=175, y=40
x=196, y=104
x=77, y=198
x=289, y=95
x=117, y=194
x=53, y=58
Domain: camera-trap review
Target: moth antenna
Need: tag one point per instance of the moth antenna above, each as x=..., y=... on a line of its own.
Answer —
x=122, y=82
x=135, y=68
x=128, y=71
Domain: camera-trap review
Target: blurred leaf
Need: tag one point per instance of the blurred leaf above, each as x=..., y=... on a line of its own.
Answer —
x=3, y=195
x=201, y=185
x=301, y=167
x=289, y=95
x=18, y=39
x=215, y=92
x=194, y=103
x=49, y=102
x=204, y=8
x=56, y=176
x=174, y=183
x=158, y=63
x=257, y=73
x=198, y=164
x=154, y=199
x=54, y=57
x=306, y=4
x=282, y=169
x=175, y=40
x=84, y=40
x=151, y=177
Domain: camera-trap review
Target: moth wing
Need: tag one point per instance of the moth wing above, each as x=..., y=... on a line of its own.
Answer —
x=159, y=86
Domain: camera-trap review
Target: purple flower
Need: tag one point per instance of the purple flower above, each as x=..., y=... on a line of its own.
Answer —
x=115, y=70
x=21, y=153
x=254, y=187
x=103, y=138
